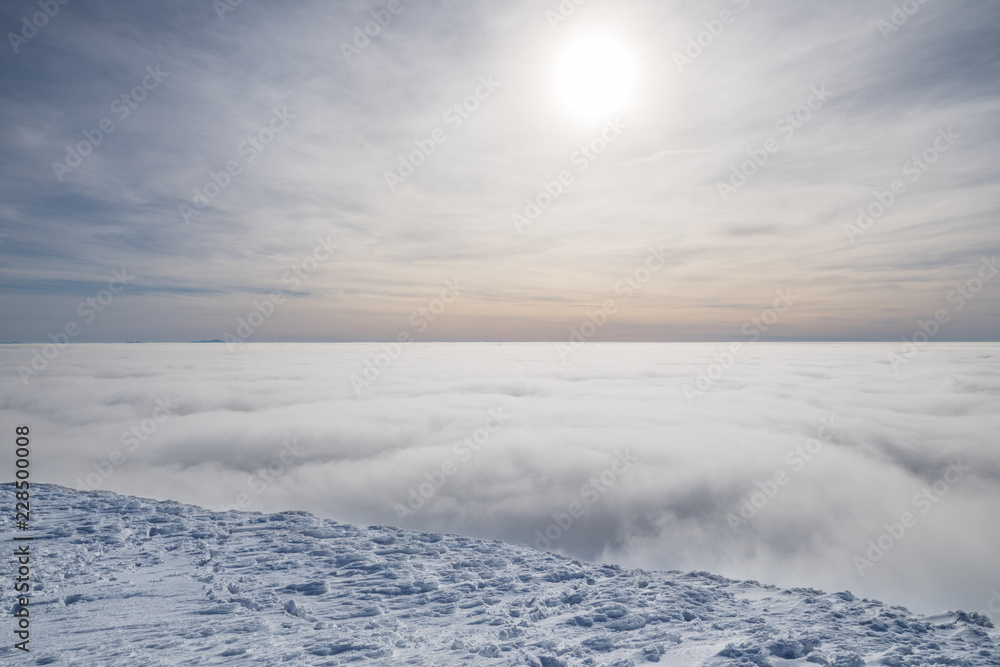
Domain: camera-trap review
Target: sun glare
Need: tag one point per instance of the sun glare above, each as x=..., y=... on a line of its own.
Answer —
x=594, y=76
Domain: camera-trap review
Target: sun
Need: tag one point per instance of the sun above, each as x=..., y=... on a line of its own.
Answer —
x=594, y=76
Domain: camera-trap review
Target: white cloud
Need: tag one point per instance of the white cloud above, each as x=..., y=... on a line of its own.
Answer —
x=356, y=458
x=656, y=185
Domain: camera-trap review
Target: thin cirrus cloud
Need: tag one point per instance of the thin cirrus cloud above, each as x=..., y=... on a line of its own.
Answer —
x=277, y=427
x=657, y=185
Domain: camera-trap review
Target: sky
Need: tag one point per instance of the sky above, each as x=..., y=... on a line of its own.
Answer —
x=688, y=160
x=796, y=461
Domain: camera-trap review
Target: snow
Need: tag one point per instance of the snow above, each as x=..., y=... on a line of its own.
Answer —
x=121, y=580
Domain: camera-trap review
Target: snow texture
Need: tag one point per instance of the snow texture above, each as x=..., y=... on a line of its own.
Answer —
x=120, y=580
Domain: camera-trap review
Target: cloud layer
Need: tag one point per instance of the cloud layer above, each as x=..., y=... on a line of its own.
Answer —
x=888, y=94
x=603, y=455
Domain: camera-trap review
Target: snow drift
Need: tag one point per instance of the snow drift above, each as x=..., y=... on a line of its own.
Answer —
x=120, y=580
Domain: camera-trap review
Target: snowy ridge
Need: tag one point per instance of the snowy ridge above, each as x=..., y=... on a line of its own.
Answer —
x=119, y=580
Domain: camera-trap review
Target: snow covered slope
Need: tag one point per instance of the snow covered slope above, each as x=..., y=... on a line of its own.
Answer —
x=119, y=580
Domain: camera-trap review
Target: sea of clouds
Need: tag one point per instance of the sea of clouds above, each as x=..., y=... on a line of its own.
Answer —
x=814, y=464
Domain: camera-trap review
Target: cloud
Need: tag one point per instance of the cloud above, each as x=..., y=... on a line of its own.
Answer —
x=324, y=175
x=605, y=442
